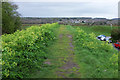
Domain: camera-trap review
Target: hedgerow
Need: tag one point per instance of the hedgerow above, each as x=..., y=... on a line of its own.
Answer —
x=24, y=51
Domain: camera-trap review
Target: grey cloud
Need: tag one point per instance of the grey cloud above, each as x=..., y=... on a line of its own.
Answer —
x=66, y=9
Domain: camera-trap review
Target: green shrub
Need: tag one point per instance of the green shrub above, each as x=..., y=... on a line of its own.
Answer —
x=115, y=33
x=24, y=50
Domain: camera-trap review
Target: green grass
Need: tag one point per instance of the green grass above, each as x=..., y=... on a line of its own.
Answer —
x=95, y=57
x=58, y=53
x=93, y=63
x=98, y=30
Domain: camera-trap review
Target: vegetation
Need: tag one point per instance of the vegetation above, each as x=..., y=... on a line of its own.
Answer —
x=53, y=50
x=96, y=59
x=25, y=26
x=115, y=33
x=24, y=51
x=98, y=30
x=60, y=53
x=10, y=18
x=0, y=10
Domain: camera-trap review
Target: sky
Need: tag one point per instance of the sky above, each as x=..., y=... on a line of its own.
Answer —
x=68, y=8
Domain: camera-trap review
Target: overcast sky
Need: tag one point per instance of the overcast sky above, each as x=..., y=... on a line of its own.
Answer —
x=71, y=8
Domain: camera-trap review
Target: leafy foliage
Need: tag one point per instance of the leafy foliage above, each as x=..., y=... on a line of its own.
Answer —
x=24, y=51
x=10, y=18
x=115, y=33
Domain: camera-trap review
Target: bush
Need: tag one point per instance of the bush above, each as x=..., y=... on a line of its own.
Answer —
x=10, y=18
x=24, y=50
x=115, y=33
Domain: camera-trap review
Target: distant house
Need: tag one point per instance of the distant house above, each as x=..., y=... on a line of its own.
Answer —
x=75, y=20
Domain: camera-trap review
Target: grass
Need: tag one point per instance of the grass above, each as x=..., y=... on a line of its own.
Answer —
x=58, y=54
x=96, y=58
x=93, y=63
x=98, y=30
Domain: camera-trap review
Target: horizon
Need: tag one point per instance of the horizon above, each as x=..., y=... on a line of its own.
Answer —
x=103, y=9
x=66, y=17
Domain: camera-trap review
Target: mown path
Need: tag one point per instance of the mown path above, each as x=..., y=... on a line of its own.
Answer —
x=61, y=62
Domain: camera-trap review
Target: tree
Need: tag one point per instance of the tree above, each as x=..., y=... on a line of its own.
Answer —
x=0, y=18
x=115, y=33
x=10, y=18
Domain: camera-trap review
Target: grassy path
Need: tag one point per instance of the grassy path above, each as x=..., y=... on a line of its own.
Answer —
x=61, y=62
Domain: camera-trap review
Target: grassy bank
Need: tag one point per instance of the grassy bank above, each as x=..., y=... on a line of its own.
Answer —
x=96, y=59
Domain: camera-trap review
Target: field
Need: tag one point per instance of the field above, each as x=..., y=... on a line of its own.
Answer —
x=98, y=30
x=59, y=51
